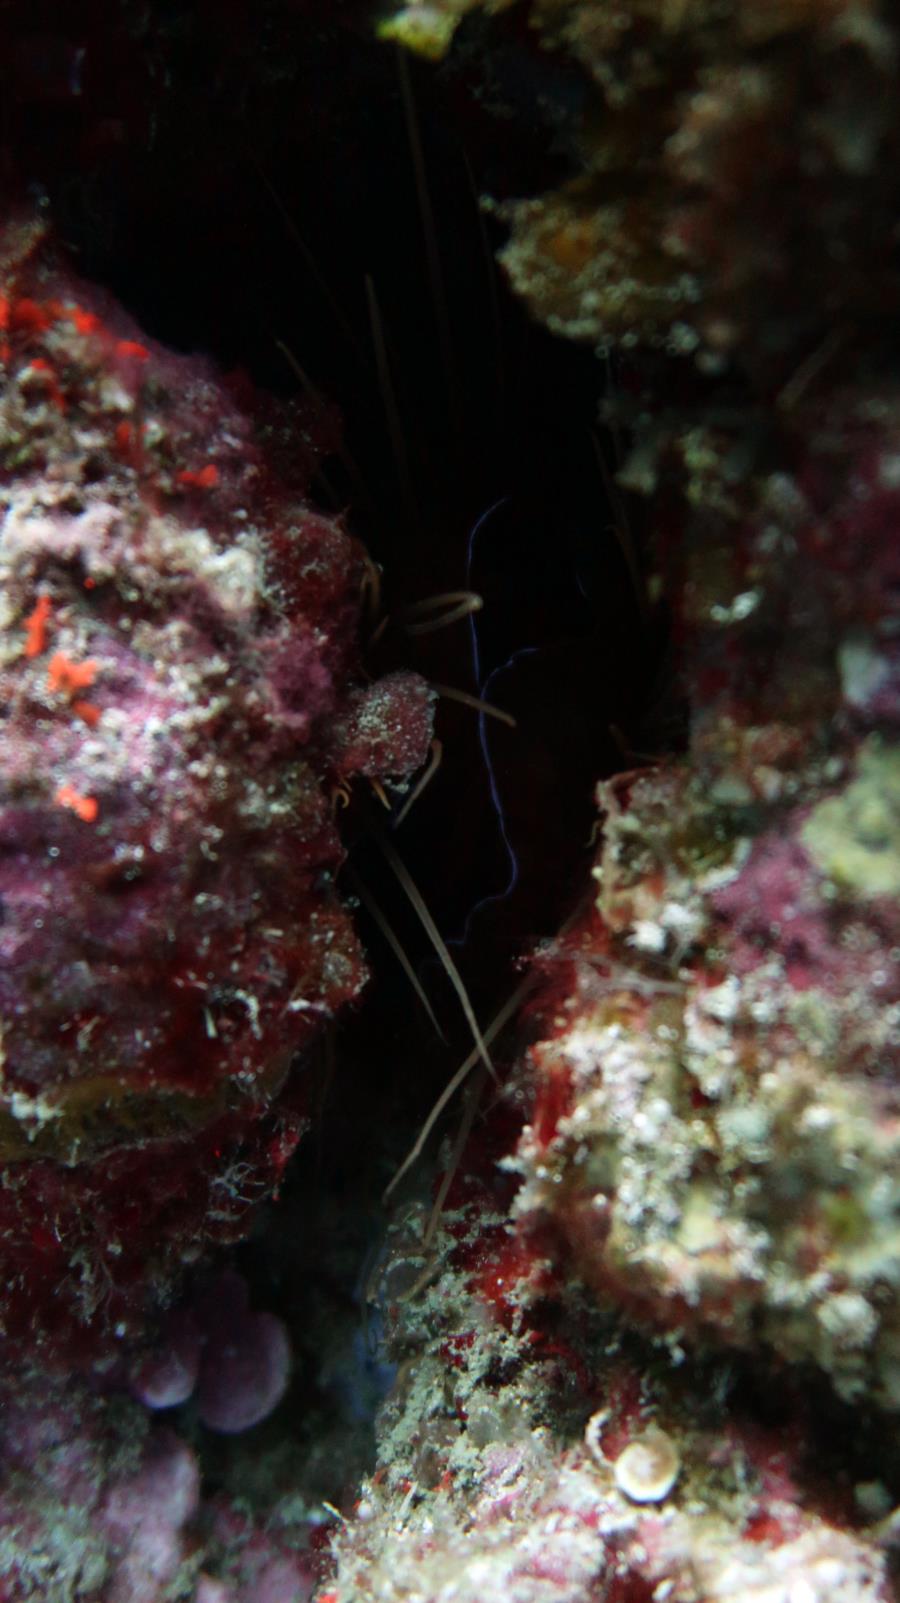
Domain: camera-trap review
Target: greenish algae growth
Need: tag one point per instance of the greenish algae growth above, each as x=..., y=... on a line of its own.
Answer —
x=424, y=29
x=855, y=837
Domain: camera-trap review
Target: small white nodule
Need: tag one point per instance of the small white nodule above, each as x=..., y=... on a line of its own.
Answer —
x=647, y=1469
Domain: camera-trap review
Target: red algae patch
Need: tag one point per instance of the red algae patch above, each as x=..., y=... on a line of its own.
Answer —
x=178, y=645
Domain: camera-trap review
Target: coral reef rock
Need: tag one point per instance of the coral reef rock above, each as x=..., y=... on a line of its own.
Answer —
x=726, y=154
x=179, y=683
x=495, y=1478
x=715, y=1124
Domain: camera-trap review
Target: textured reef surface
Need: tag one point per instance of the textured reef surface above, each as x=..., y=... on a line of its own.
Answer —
x=634, y=1333
x=182, y=703
x=715, y=1125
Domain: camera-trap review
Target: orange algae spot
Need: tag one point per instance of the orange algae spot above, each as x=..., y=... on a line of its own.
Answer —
x=84, y=322
x=87, y=712
x=129, y=442
x=572, y=246
x=132, y=348
x=204, y=479
x=763, y=1527
x=36, y=627
x=64, y=674
x=85, y=807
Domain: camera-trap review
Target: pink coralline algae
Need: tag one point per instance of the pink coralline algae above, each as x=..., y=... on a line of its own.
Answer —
x=99, y=1503
x=235, y=1360
x=244, y=1373
x=178, y=646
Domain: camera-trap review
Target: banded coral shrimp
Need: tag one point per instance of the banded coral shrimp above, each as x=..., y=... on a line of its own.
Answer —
x=342, y=226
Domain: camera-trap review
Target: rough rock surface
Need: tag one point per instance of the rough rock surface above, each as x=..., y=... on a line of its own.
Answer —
x=716, y=1119
x=650, y=1350
x=179, y=682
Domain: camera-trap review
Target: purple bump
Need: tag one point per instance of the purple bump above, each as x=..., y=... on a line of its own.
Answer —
x=244, y=1373
x=167, y=1376
x=210, y=1591
x=283, y=1580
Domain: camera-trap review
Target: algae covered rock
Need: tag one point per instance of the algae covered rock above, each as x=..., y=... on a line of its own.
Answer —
x=719, y=165
x=177, y=647
x=716, y=1124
